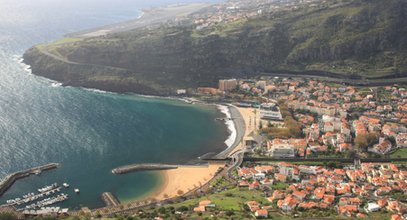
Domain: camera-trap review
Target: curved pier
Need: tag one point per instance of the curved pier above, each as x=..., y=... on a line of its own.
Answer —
x=142, y=167
x=9, y=180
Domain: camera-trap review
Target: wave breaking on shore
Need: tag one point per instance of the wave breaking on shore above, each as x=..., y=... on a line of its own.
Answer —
x=20, y=60
x=229, y=124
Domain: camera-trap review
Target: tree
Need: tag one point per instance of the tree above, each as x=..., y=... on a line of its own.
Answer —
x=364, y=141
x=332, y=164
x=351, y=154
x=161, y=210
x=229, y=213
x=392, y=140
x=182, y=209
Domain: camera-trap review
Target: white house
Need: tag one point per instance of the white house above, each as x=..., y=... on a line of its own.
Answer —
x=372, y=207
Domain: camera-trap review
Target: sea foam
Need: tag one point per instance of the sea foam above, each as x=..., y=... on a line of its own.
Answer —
x=229, y=124
x=20, y=60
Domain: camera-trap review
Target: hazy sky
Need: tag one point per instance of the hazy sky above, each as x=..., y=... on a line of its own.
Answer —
x=15, y=12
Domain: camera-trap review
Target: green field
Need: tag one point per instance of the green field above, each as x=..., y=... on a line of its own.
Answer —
x=232, y=199
x=400, y=153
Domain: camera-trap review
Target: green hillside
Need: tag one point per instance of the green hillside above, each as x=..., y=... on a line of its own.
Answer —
x=359, y=39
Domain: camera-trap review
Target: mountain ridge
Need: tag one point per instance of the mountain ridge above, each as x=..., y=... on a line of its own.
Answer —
x=356, y=40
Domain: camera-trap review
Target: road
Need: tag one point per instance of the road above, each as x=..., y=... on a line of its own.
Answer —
x=237, y=159
x=344, y=160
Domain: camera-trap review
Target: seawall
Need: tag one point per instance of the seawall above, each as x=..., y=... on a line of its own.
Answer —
x=109, y=199
x=142, y=167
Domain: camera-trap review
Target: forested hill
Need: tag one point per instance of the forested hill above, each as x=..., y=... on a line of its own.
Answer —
x=359, y=39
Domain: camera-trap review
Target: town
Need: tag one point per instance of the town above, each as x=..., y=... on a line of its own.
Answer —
x=235, y=10
x=315, y=120
x=191, y=109
x=314, y=149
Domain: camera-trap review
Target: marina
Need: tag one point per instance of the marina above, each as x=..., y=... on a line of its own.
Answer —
x=30, y=197
x=47, y=211
x=47, y=201
x=9, y=180
x=38, y=203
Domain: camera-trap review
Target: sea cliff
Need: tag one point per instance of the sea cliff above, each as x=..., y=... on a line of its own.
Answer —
x=358, y=39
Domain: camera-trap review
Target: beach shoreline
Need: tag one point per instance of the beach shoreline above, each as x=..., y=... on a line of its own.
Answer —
x=238, y=124
x=230, y=124
x=170, y=182
x=188, y=178
x=178, y=182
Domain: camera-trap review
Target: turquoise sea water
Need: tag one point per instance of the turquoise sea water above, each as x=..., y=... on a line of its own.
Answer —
x=88, y=132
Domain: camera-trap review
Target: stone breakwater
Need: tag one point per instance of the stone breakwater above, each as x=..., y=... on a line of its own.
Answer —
x=9, y=180
x=142, y=167
x=109, y=199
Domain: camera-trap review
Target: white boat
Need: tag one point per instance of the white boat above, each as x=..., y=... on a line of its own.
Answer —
x=47, y=188
x=76, y=190
x=66, y=185
x=56, y=84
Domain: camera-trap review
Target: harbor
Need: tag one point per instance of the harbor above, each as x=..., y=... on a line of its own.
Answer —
x=30, y=197
x=39, y=203
x=9, y=180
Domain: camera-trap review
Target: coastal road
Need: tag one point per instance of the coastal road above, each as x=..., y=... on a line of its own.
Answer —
x=237, y=159
x=344, y=160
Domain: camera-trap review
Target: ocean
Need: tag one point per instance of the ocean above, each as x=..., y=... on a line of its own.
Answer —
x=88, y=132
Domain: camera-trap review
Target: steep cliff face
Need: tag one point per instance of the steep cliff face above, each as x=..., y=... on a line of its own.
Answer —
x=363, y=31
x=362, y=38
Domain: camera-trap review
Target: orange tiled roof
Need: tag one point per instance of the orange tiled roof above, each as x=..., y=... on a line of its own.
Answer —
x=300, y=194
x=329, y=199
x=344, y=209
x=382, y=202
x=319, y=192
x=205, y=202
x=396, y=217
x=308, y=205
x=199, y=209
x=262, y=212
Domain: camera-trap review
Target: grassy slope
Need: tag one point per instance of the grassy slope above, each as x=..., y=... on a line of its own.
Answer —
x=400, y=153
x=360, y=38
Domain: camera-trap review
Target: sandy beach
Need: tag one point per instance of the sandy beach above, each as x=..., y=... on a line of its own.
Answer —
x=251, y=118
x=184, y=179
